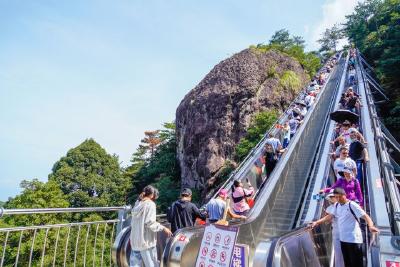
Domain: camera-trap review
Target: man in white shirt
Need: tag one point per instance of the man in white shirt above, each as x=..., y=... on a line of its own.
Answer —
x=344, y=161
x=337, y=248
x=351, y=239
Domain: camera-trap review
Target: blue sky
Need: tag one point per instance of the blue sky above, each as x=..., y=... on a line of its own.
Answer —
x=71, y=70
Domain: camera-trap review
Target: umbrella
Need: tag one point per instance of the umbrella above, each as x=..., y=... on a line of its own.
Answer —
x=341, y=115
x=302, y=103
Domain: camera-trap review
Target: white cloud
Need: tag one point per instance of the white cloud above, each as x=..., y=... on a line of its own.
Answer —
x=306, y=29
x=333, y=11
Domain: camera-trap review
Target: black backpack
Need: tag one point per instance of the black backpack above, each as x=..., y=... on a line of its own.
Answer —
x=351, y=210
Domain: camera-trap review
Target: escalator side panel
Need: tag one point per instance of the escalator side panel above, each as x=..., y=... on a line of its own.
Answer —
x=281, y=193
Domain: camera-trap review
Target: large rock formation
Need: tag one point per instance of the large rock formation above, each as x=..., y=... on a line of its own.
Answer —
x=213, y=116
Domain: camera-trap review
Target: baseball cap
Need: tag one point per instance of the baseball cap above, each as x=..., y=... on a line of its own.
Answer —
x=347, y=170
x=223, y=193
x=186, y=192
x=339, y=191
x=353, y=130
x=330, y=194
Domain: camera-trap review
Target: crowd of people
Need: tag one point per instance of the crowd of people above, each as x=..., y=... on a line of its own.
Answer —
x=345, y=195
x=274, y=146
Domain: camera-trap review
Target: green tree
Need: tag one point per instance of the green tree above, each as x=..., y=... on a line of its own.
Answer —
x=260, y=124
x=292, y=46
x=290, y=81
x=281, y=38
x=330, y=39
x=90, y=177
x=161, y=169
x=35, y=194
x=374, y=28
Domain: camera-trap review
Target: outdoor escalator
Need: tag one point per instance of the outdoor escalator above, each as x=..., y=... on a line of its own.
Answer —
x=277, y=200
x=313, y=247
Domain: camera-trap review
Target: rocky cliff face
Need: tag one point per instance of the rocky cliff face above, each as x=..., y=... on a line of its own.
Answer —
x=213, y=116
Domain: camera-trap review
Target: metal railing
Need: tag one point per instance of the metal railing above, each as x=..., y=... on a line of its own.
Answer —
x=53, y=240
x=303, y=246
x=254, y=230
x=284, y=117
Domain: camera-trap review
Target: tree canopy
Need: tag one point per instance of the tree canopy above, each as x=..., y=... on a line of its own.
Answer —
x=293, y=46
x=330, y=39
x=90, y=177
x=374, y=28
x=259, y=126
x=159, y=167
x=36, y=194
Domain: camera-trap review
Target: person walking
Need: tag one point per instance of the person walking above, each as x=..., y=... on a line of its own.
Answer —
x=144, y=228
x=216, y=208
x=183, y=213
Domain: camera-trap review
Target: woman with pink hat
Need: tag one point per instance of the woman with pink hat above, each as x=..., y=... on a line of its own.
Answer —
x=216, y=208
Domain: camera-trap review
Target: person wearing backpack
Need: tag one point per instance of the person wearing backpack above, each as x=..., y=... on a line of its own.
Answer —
x=183, y=213
x=349, y=214
x=270, y=158
x=337, y=248
x=239, y=197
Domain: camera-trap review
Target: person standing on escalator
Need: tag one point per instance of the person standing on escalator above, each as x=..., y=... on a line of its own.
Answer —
x=286, y=134
x=183, y=213
x=351, y=238
x=274, y=142
x=335, y=228
x=216, y=208
x=358, y=152
x=271, y=157
x=239, y=197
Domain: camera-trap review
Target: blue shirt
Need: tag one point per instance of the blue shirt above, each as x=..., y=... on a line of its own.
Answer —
x=293, y=124
x=274, y=142
x=215, y=209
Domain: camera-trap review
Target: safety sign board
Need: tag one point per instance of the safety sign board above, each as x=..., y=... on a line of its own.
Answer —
x=240, y=256
x=392, y=264
x=217, y=246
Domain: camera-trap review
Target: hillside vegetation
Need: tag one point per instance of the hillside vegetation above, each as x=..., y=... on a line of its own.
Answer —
x=374, y=28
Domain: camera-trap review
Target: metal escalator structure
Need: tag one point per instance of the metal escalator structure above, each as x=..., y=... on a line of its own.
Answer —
x=278, y=200
x=306, y=247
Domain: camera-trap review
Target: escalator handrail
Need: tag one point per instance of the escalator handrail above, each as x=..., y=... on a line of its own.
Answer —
x=383, y=163
x=318, y=207
x=278, y=242
x=242, y=166
x=320, y=150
